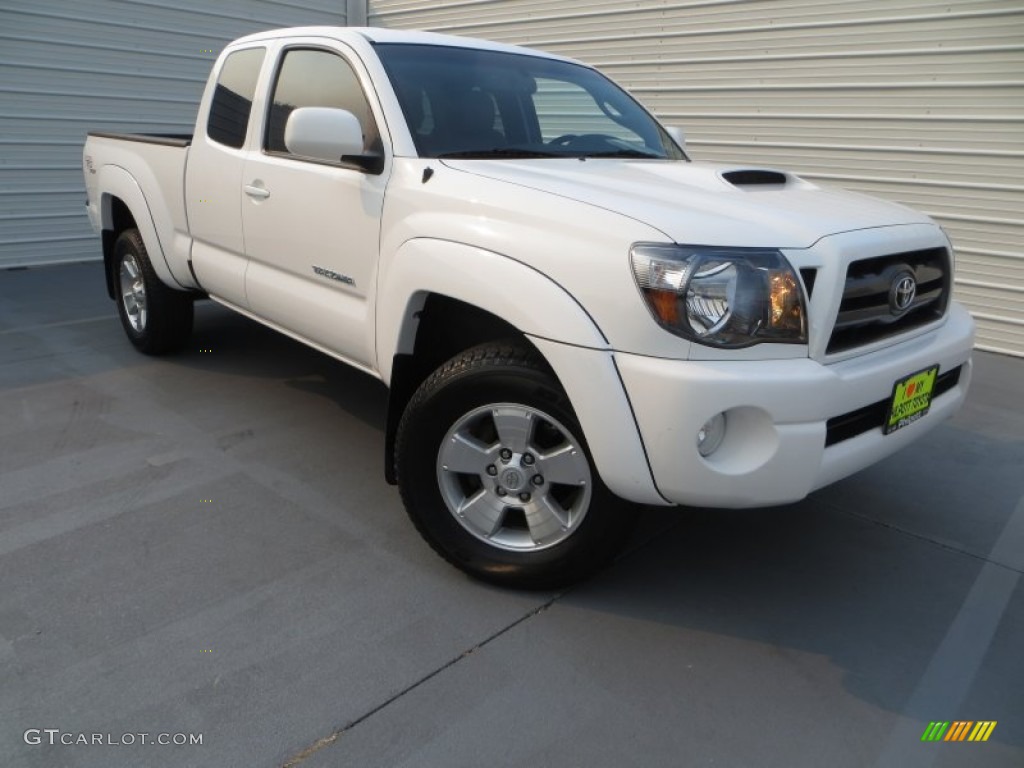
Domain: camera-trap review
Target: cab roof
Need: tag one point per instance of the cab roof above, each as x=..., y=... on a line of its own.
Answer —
x=382, y=35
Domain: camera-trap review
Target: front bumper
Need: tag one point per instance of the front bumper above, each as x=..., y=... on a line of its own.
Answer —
x=777, y=413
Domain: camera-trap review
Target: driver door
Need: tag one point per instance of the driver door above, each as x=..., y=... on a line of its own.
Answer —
x=312, y=228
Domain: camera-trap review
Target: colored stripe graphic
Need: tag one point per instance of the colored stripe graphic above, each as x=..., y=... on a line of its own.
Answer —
x=982, y=730
x=959, y=730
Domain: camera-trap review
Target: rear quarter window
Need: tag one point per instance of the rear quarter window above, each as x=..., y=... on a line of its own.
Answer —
x=233, y=95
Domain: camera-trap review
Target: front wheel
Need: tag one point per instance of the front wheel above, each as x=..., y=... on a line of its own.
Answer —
x=496, y=475
x=156, y=319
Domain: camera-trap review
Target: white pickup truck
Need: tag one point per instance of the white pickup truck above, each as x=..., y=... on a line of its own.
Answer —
x=569, y=313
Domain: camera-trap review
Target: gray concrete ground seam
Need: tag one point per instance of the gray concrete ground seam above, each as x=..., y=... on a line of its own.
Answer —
x=953, y=666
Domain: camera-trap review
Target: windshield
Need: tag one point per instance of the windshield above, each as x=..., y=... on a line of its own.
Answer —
x=466, y=102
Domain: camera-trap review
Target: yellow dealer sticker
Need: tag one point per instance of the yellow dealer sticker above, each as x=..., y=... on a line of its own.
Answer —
x=911, y=399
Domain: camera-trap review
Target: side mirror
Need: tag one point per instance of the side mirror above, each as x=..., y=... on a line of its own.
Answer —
x=325, y=133
x=678, y=135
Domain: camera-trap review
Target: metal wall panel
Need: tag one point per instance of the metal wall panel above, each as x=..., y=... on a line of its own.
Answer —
x=914, y=100
x=116, y=65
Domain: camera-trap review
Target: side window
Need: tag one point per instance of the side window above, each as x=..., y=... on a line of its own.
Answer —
x=232, y=97
x=316, y=78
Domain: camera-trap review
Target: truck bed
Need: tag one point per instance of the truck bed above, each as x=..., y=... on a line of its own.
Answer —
x=146, y=171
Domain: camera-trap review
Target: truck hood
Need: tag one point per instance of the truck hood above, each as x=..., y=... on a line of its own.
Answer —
x=702, y=203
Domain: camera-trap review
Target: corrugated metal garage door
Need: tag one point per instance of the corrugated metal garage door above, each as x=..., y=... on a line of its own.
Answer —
x=68, y=67
x=914, y=100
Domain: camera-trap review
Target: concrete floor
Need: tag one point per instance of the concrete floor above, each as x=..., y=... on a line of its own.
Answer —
x=204, y=544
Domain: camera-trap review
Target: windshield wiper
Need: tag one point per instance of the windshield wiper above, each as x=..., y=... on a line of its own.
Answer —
x=625, y=153
x=509, y=152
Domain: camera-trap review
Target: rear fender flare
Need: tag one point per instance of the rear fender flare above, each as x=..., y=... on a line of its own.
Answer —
x=116, y=182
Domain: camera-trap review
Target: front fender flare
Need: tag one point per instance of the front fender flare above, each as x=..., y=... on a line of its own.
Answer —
x=517, y=293
x=549, y=316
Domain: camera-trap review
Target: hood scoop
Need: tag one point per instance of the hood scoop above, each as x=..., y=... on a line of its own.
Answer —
x=755, y=177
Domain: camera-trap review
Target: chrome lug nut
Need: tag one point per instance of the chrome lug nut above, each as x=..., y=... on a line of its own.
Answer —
x=492, y=470
x=506, y=454
x=538, y=480
x=500, y=491
x=528, y=459
x=524, y=496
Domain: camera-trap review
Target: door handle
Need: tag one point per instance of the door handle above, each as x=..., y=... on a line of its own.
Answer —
x=260, y=193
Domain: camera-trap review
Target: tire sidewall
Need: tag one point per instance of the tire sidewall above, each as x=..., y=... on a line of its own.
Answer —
x=428, y=421
x=169, y=313
x=129, y=244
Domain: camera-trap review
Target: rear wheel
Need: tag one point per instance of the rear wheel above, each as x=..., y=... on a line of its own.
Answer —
x=157, y=319
x=496, y=475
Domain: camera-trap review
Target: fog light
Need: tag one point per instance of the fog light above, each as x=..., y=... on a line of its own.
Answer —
x=709, y=437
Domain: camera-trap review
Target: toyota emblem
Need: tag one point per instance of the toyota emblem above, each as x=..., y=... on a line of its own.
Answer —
x=902, y=293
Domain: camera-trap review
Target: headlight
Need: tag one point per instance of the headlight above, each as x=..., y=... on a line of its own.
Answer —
x=722, y=297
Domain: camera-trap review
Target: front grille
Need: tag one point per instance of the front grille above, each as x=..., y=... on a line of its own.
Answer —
x=869, y=417
x=865, y=314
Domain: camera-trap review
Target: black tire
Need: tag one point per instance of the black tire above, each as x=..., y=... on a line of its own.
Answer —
x=531, y=548
x=156, y=319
